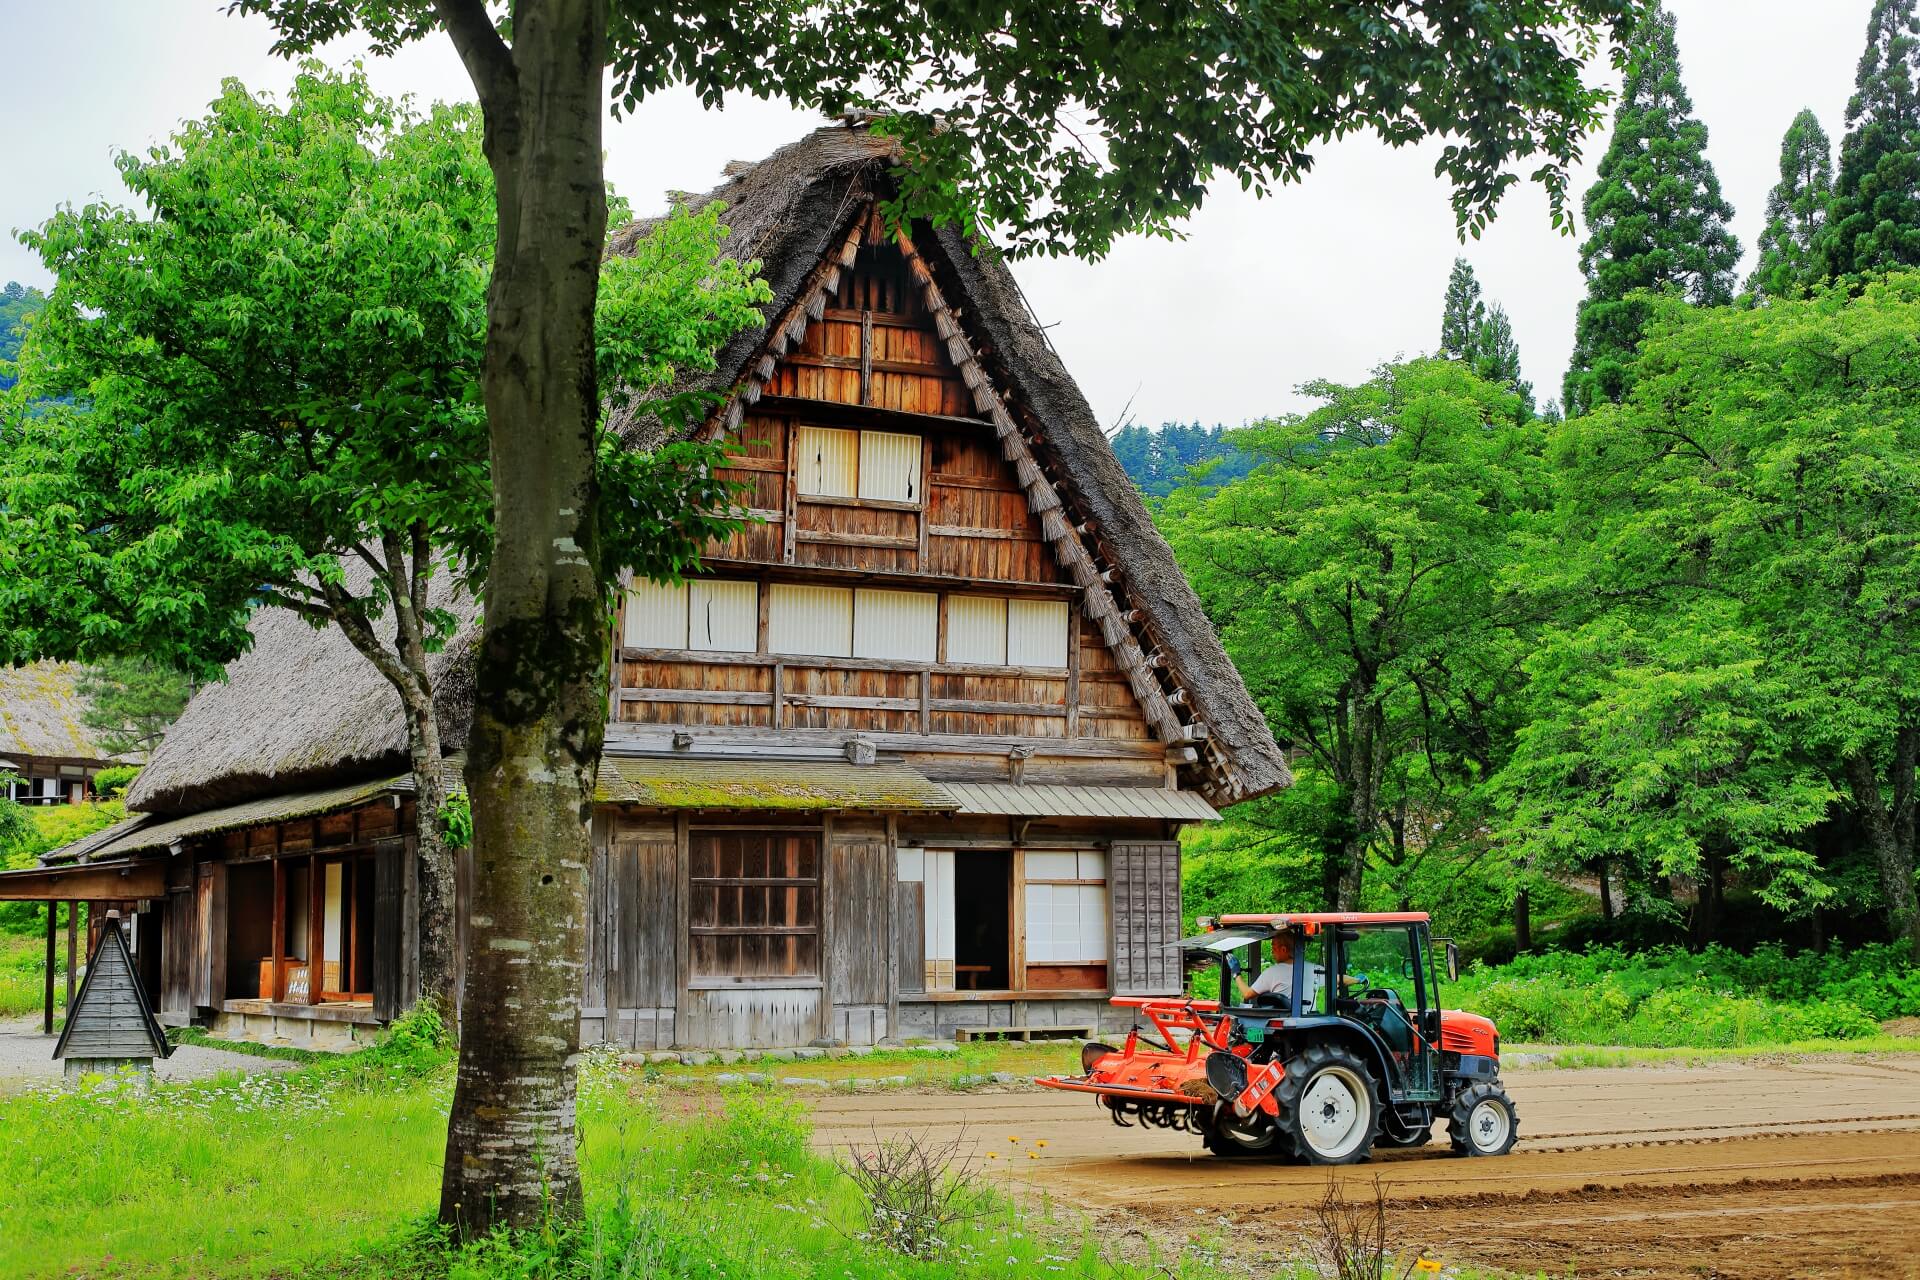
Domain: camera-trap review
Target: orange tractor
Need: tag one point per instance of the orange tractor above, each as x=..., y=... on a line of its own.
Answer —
x=1333, y=1047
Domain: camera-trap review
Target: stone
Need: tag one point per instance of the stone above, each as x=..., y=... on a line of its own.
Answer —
x=756, y=1077
x=864, y=1082
x=662, y=1057
x=967, y=1081
x=894, y=1080
x=729, y=1077
x=778, y=1055
x=696, y=1059
x=809, y=1053
x=626, y=1059
x=1001, y=1077
x=838, y=1051
x=803, y=1082
x=729, y=1056
x=860, y=1050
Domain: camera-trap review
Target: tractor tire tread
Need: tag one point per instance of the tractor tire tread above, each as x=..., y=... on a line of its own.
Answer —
x=1301, y=1068
x=1462, y=1111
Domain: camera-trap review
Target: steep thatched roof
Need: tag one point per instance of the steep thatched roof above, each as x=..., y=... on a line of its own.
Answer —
x=301, y=710
x=40, y=715
x=791, y=209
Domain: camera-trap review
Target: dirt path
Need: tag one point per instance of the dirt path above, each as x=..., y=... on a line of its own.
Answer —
x=1802, y=1169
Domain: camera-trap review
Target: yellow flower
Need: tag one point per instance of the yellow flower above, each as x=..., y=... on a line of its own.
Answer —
x=1040, y=1143
x=1012, y=1138
x=1426, y=1264
x=1033, y=1155
x=993, y=1155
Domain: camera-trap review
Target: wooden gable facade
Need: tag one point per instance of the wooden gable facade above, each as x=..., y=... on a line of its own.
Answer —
x=906, y=590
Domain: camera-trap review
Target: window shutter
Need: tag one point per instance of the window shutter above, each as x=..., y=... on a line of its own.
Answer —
x=814, y=621
x=977, y=630
x=1036, y=633
x=723, y=616
x=826, y=460
x=890, y=466
x=895, y=624
x=656, y=615
x=1143, y=883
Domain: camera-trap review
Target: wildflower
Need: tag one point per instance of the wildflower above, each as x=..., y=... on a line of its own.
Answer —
x=1427, y=1265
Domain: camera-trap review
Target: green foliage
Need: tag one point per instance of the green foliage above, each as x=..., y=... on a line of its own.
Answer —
x=1655, y=219
x=1874, y=222
x=1481, y=335
x=1160, y=460
x=1714, y=998
x=282, y=342
x=456, y=821
x=1356, y=579
x=1749, y=517
x=131, y=702
x=1789, y=260
x=988, y=109
x=111, y=783
x=17, y=302
x=17, y=832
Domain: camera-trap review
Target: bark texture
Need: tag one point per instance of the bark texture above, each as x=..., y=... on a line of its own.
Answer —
x=1887, y=812
x=541, y=679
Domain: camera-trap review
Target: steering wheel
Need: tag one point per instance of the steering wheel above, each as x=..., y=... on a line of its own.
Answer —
x=1388, y=995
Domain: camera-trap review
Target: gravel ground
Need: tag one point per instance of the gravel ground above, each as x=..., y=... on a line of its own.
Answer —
x=26, y=1055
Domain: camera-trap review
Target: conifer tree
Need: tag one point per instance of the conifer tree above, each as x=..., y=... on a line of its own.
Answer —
x=1496, y=356
x=1655, y=218
x=1462, y=312
x=1874, y=222
x=1481, y=334
x=1796, y=212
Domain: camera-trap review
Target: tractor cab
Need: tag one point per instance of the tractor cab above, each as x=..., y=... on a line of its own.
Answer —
x=1326, y=1039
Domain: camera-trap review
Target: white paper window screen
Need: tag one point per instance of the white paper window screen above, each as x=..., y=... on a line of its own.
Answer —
x=890, y=466
x=939, y=873
x=810, y=620
x=826, y=461
x=1036, y=633
x=977, y=630
x=723, y=616
x=656, y=615
x=1066, y=923
x=895, y=624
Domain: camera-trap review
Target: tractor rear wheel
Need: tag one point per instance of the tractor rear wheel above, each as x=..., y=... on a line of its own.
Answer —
x=1329, y=1105
x=1483, y=1122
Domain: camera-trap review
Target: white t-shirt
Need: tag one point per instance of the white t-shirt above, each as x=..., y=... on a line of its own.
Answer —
x=1277, y=980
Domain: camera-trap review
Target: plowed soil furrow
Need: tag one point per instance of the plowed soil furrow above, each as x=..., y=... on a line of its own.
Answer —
x=1807, y=1168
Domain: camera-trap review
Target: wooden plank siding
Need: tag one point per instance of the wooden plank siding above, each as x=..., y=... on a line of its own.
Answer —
x=874, y=363
x=1143, y=892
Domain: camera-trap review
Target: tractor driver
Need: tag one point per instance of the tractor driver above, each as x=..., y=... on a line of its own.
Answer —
x=1274, y=984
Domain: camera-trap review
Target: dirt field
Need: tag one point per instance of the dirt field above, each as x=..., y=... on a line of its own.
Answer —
x=1800, y=1169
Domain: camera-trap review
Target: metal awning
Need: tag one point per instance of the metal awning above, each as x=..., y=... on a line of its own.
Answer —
x=660, y=782
x=1010, y=800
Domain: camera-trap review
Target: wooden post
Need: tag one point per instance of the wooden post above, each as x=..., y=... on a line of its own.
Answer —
x=53, y=916
x=277, y=980
x=73, y=947
x=316, y=929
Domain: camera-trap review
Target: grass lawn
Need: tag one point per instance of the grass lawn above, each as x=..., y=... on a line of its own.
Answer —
x=333, y=1171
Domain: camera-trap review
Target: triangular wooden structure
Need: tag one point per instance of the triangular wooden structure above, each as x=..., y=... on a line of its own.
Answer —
x=110, y=1020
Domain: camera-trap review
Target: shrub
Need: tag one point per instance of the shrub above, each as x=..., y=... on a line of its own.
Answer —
x=111, y=783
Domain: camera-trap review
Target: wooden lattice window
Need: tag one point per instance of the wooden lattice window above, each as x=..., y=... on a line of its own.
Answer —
x=753, y=905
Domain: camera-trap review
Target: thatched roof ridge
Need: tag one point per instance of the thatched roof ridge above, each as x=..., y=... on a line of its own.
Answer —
x=301, y=710
x=40, y=714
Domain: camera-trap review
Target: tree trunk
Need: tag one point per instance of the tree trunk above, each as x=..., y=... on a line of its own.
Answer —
x=1888, y=815
x=1711, y=892
x=1606, y=891
x=540, y=706
x=1522, y=921
x=433, y=869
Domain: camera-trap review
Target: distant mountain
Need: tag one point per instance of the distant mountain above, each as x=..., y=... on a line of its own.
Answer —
x=1158, y=459
x=17, y=302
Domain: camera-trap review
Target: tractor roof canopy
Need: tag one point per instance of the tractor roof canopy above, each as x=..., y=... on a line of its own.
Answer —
x=1312, y=919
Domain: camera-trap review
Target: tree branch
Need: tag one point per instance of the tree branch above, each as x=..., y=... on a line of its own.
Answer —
x=488, y=60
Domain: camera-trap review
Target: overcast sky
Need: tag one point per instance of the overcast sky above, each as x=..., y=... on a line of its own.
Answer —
x=1325, y=279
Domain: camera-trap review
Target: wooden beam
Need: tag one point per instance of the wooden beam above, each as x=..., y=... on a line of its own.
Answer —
x=316, y=929
x=866, y=357
x=73, y=948
x=751, y=740
x=897, y=579
x=867, y=415
x=46, y=1020
x=103, y=882
x=277, y=976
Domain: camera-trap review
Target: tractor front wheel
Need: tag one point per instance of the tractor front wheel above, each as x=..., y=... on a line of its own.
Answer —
x=1329, y=1105
x=1483, y=1122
